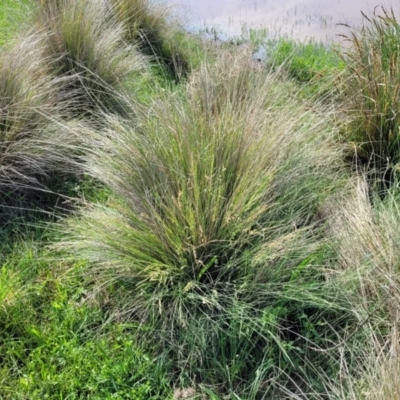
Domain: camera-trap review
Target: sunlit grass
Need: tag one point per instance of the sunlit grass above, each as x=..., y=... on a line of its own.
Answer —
x=214, y=242
x=213, y=229
x=85, y=44
x=151, y=24
x=51, y=342
x=31, y=148
x=372, y=89
x=12, y=19
x=366, y=239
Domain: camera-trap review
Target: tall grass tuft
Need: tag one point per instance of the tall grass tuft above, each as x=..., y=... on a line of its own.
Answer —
x=372, y=89
x=213, y=235
x=31, y=148
x=150, y=24
x=86, y=45
x=366, y=238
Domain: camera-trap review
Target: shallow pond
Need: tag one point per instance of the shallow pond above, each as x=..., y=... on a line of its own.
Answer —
x=300, y=19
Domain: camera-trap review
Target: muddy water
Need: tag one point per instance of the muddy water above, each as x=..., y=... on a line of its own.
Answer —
x=300, y=19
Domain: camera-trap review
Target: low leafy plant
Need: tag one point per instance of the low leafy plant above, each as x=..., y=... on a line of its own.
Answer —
x=212, y=233
x=51, y=343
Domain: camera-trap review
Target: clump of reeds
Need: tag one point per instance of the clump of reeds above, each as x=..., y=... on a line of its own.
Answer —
x=232, y=84
x=150, y=24
x=31, y=147
x=86, y=45
x=214, y=231
x=371, y=88
x=366, y=238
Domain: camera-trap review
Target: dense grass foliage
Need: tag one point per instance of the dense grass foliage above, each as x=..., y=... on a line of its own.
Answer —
x=12, y=17
x=85, y=44
x=372, y=87
x=214, y=226
x=205, y=237
x=150, y=24
x=366, y=239
x=49, y=341
x=314, y=66
x=306, y=61
x=30, y=146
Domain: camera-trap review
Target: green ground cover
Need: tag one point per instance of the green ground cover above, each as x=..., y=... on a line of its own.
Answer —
x=12, y=15
x=181, y=221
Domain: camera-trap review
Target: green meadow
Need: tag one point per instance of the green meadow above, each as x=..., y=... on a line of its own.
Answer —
x=179, y=220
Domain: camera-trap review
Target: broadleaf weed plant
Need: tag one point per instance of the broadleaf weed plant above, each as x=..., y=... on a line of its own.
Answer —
x=213, y=232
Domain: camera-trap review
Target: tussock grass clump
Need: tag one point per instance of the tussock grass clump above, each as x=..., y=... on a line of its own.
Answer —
x=85, y=44
x=372, y=89
x=231, y=85
x=150, y=24
x=30, y=147
x=213, y=233
x=381, y=381
x=366, y=238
